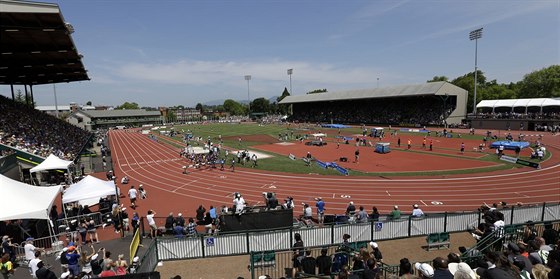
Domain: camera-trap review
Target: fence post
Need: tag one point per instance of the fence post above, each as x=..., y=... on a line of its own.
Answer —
x=409, y=225
x=247, y=242
x=142, y=226
x=157, y=253
x=445, y=222
x=371, y=228
x=511, y=219
x=203, y=249
x=252, y=264
x=543, y=211
x=332, y=233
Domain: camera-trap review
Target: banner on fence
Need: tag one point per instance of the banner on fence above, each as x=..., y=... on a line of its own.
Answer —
x=210, y=241
x=509, y=159
x=378, y=226
x=134, y=244
x=528, y=163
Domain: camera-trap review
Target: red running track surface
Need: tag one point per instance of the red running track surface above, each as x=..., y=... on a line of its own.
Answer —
x=159, y=168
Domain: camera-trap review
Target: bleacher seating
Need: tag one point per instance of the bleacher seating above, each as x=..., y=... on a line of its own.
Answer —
x=438, y=240
x=39, y=133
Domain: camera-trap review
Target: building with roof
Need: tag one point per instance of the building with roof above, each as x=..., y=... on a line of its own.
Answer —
x=103, y=119
x=407, y=104
x=63, y=109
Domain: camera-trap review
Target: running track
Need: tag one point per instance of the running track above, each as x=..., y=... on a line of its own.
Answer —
x=159, y=168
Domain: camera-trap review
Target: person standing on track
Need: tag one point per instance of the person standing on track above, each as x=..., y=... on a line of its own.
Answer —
x=132, y=194
x=462, y=148
x=320, y=204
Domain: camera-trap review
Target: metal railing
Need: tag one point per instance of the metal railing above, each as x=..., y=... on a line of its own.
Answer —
x=149, y=261
x=236, y=243
x=62, y=224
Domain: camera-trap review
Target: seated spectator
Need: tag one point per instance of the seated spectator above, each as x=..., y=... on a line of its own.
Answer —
x=374, y=214
x=441, y=270
x=395, y=214
x=425, y=271
x=191, y=228
x=180, y=221
x=361, y=216
x=416, y=211
x=169, y=223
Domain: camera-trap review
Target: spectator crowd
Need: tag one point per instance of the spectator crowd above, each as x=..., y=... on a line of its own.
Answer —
x=32, y=131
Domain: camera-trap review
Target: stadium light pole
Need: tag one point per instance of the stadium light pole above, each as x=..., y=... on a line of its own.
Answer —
x=475, y=35
x=290, y=72
x=248, y=78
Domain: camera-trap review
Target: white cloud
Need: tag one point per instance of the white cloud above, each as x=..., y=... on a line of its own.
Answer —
x=205, y=73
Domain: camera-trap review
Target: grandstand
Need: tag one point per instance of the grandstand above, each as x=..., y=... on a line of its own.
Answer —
x=103, y=119
x=536, y=114
x=434, y=103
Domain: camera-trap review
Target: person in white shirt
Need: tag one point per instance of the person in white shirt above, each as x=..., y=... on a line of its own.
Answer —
x=30, y=252
x=416, y=211
x=152, y=223
x=33, y=264
x=238, y=204
x=132, y=194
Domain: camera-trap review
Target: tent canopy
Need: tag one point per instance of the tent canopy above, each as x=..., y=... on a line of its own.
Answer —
x=52, y=163
x=87, y=189
x=514, y=103
x=24, y=201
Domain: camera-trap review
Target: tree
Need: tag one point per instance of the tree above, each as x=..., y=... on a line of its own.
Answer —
x=171, y=117
x=200, y=108
x=283, y=108
x=544, y=83
x=467, y=82
x=88, y=103
x=19, y=97
x=260, y=105
x=317, y=91
x=438, y=78
x=233, y=107
x=128, y=105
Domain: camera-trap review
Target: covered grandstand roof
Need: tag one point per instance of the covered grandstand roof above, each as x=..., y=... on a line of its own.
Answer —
x=512, y=103
x=120, y=113
x=36, y=46
x=431, y=88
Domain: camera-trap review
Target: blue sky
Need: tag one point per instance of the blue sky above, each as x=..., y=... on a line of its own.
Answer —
x=163, y=53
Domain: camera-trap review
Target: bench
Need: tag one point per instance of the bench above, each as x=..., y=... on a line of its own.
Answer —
x=263, y=259
x=438, y=240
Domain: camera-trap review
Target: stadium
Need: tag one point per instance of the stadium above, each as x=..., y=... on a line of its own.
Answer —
x=396, y=170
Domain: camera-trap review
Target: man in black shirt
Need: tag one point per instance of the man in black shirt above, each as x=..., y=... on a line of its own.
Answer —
x=324, y=262
x=308, y=263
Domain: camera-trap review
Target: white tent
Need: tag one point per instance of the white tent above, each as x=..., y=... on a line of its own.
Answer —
x=52, y=163
x=24, y=201
x=87, y=189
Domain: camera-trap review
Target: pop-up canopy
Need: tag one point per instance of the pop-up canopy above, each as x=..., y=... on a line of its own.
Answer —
x=24, y=201
x=52, y=163
x=87, y=189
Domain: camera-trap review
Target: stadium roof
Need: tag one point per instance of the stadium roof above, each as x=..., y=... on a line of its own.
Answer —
x=36, y=46
x=119, y=113
x=511, y=103
x=431, y=88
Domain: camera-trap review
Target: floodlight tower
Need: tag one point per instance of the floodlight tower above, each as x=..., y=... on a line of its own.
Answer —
x=475, y=35
x=290, y=71
x=248, y=78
